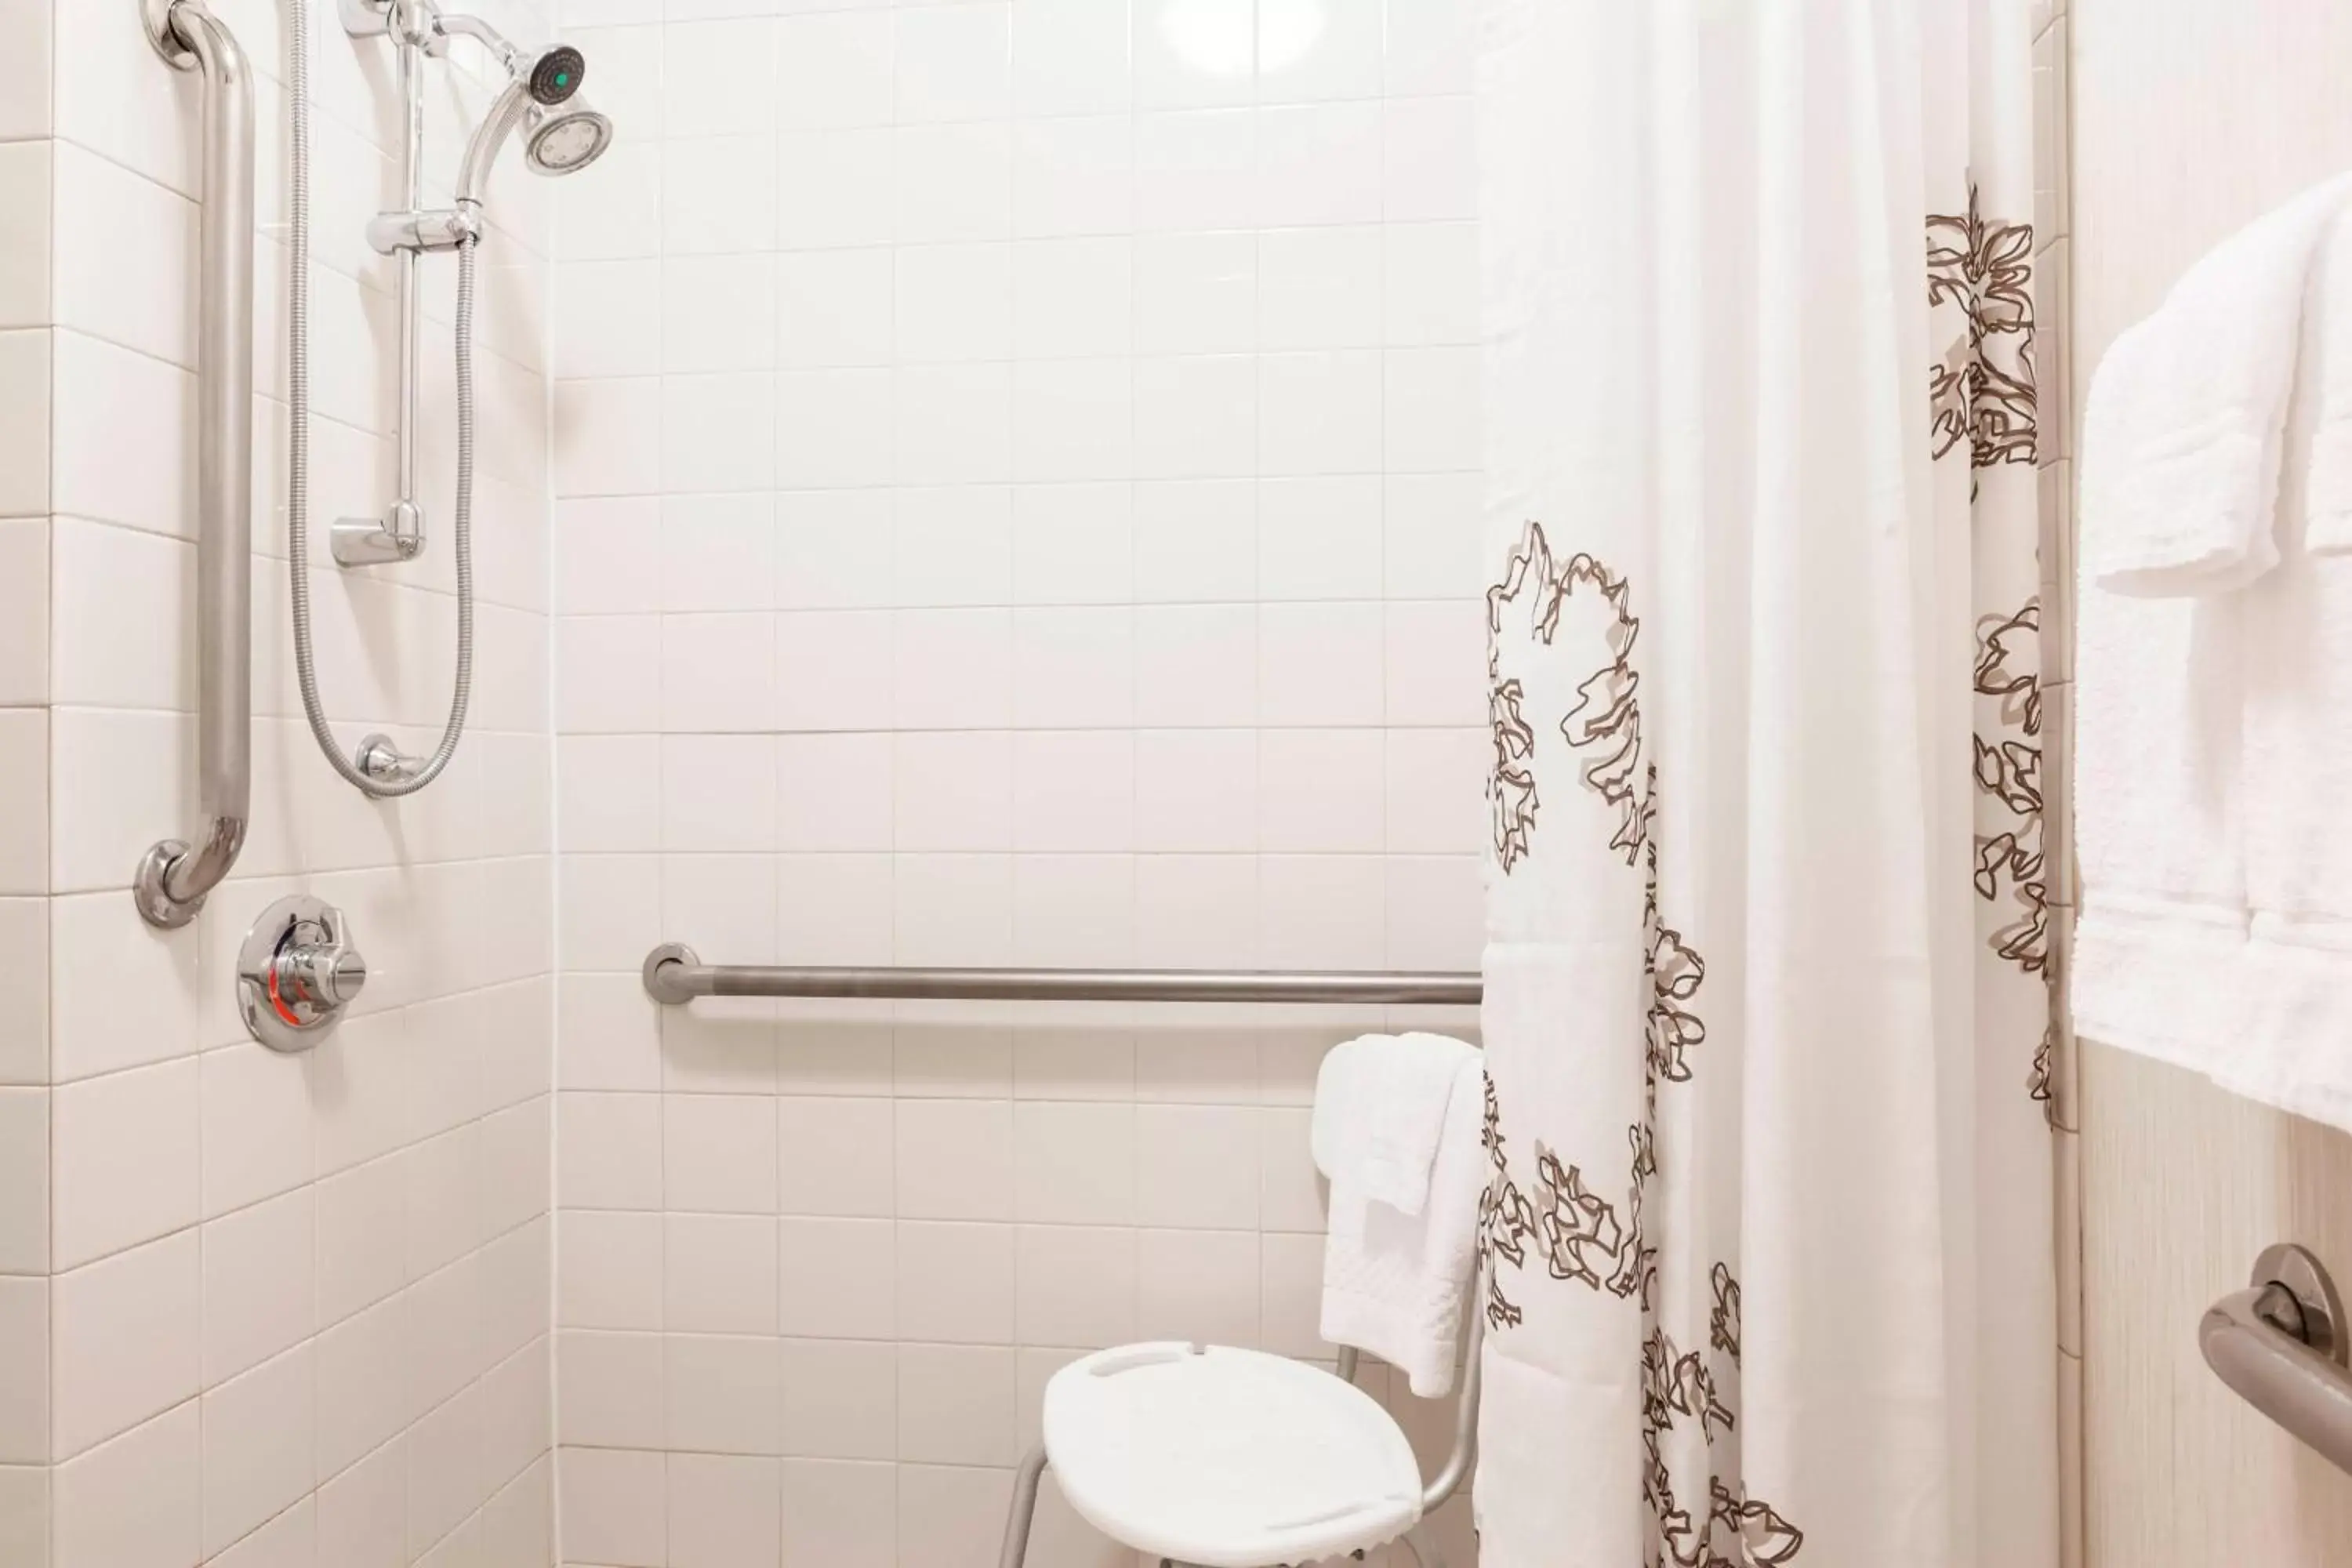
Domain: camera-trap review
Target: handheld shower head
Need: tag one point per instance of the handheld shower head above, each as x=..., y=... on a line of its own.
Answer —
x=567, y=141
x=564, y=136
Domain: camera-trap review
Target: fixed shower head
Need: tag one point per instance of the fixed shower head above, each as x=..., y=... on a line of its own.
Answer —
x=562, y=133
x=555, y=74
x=567, y=141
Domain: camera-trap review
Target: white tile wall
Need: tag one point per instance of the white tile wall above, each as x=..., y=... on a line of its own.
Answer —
x=1012, y=464
x=1015, y=501
x=258, y=1310
x=26, y=352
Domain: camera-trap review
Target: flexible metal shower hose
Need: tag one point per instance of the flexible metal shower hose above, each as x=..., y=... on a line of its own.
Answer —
x=298, y=482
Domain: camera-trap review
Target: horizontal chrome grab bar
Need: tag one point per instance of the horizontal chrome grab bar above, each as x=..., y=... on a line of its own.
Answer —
x=2281, y=1345
x=673, y=974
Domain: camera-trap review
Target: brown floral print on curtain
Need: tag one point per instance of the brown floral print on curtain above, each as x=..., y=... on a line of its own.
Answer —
x=2011, y=871
x=1582, y=1237
x=2038, y=1085
x=2009, y=775
x=1982, y=390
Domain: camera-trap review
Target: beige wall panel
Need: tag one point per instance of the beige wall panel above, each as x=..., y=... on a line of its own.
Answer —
x=2190, y=119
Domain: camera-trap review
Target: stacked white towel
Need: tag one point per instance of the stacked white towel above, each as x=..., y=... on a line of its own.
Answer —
x=2328, y=504
x=1396, y=1131
x=2214, y=719
x=2182, y=438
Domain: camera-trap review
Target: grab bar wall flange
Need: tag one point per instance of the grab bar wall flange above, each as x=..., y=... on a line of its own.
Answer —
x=174, y=876
x=673, y=974
x=156, y=15
x=2282, y=1345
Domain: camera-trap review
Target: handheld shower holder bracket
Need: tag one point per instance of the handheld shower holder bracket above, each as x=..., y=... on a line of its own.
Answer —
x=433, y=229
x=410, y=21
x=397, y=535
x=384, y=761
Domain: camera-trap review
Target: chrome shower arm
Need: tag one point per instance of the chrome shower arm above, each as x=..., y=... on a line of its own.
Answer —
x=464, y=24
x=173, y=876
x=408, y=21
x=422, y=24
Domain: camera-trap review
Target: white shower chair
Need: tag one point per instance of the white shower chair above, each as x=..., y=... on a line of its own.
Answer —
x=1207, y=1456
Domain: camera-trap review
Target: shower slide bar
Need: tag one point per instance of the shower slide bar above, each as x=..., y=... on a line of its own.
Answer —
x=674, y=974
x=173, y=876
x=2282, y=1345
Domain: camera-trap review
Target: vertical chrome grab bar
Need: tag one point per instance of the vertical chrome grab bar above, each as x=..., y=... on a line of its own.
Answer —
x=173, y=876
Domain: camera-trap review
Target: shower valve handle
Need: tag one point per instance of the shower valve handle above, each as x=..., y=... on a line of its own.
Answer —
x=325, y=974
x=296, y=972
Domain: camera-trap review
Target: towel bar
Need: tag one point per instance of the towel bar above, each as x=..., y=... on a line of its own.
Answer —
x=674, y=974
x=2282, y=1345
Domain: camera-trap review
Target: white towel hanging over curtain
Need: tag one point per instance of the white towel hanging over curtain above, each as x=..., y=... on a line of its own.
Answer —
x=1770, y=1210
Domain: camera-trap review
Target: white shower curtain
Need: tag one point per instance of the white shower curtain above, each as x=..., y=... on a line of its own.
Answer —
x=1770, y=1225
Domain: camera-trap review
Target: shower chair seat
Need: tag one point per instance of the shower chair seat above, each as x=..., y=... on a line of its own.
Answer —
x=1225, y=1458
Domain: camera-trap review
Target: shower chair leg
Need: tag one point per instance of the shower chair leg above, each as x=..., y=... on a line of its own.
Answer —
x=1025, y=1508
x=1023, y=1512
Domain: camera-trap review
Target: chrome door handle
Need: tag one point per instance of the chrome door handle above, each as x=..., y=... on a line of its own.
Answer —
x=2282, y=1345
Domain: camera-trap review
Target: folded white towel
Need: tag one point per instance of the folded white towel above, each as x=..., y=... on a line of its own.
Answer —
x=1396, y=1284
x=2183, y=433
x=2215, y=924
x=2214, y=756
x=2328, y=531
x=1415, y=1074
x=1336, y=1132
x=2160, y=820
x=2291, y=1043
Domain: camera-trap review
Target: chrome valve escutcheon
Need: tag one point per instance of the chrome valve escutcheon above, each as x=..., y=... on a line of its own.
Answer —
x=296, y=974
